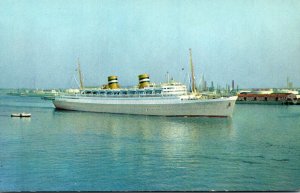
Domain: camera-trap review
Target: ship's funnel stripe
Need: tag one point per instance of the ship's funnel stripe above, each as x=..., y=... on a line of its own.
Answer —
x=112, y=78
x=144, y=80
x=112, y=81
x=143, y=76
x=141, y=82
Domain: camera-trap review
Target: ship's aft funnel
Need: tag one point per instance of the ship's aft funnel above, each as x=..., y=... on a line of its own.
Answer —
x=144, y=80
x=113, y=82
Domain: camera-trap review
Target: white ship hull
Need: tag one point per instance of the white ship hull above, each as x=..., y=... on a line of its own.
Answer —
x=161, y=106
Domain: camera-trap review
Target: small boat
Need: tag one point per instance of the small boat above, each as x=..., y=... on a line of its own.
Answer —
x=21, y=115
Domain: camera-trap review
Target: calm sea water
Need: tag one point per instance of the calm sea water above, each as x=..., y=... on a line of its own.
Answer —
x=258, y=149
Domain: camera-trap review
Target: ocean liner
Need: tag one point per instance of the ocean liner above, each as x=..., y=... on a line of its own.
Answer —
x=166, y=99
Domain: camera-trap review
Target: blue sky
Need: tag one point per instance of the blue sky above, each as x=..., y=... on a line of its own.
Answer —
x=255, y=43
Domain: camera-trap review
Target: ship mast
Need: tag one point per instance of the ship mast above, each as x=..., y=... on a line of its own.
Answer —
x=80, y=75
x=192, y=73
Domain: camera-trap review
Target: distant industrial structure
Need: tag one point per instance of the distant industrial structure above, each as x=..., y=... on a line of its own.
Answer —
x=288, y=83
x=216, y=89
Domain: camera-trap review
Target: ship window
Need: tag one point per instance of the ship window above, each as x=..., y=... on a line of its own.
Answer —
x=109, y=93
x=157, y=91
x=95, y=92
x=88, y=92
x=124, y=92
x=149, y=92
x=266, y=98
x=276, y=99
x=255, y=98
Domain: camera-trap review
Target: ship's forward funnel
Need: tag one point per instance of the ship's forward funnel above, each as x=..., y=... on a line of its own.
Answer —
x=144, y=80
x=113, y=82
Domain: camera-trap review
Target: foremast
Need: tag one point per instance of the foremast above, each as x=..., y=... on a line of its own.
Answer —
x=80, y=76
x=192, y=72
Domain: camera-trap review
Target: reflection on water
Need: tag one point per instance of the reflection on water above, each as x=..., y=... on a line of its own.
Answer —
x=146, y=127
x=21, y=121
x=171, y=139
x=258, y=149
